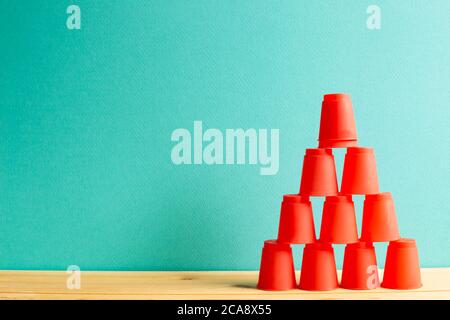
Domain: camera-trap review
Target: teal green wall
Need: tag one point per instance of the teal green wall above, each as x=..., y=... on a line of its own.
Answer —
x=86, y=118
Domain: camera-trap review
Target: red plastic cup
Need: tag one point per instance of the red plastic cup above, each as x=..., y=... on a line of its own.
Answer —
x=337, y=122
x=318, y=173
x=338, y=220
x=379, y=222
x=360, y=271
x=277, y=267
x=402, y=270
x=296, y=220
x=360, y=172
x=318, y=268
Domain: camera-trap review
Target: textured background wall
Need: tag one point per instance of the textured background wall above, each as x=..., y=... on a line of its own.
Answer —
x=86, y=117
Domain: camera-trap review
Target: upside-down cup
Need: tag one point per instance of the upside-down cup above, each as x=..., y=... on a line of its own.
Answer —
x=318, y=173
x=379, y=222
x=338, y=220
x=402, y=270
x=360, y=172
x=296, y=220
x=337, y=122
x=318, y=268
x=277, y=267
x=360, y=271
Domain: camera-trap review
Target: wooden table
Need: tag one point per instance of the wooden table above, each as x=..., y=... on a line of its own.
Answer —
x=190, y=285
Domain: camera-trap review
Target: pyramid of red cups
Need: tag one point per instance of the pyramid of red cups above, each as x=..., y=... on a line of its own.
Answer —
x=338, y=225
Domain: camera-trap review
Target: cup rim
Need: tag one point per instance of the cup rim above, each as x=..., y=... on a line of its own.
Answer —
x=339, y=140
